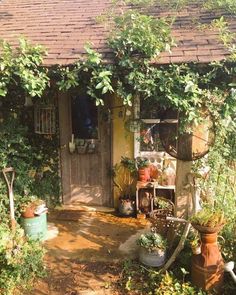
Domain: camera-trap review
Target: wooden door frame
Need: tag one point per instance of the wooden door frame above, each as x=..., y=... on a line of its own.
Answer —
x=65, y=131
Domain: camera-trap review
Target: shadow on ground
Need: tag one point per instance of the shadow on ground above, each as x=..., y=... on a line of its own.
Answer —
x=86, y=257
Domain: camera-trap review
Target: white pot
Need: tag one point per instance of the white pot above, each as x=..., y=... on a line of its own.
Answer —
x=155, y=258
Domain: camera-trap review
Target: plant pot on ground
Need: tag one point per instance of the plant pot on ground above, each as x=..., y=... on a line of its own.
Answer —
x=124, y=175
x=208, y=267
x=32, y=205
x=152, y=249
x=143, y=169
x=126, y=206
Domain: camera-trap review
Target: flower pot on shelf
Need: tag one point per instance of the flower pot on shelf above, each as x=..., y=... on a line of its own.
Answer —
x=144, y=174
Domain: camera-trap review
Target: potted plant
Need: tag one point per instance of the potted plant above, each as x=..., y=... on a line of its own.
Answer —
x=208, y=267
x=142, y=165
x=34, y=217
x=29, y=205
x=208, y=220
x=152, y=249
x=124, y=177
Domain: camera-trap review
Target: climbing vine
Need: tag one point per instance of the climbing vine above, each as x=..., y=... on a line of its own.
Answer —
x=136, y=40
x=22, y=67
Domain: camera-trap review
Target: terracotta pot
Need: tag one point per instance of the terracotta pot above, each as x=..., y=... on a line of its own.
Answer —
x=144, y=174
x=28, y=212
x=207, y=229
x=208, y=266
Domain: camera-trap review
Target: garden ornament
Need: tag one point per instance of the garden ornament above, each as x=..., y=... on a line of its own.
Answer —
x=228, y=267
x=9, y=175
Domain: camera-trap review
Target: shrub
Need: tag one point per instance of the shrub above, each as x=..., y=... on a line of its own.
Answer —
x=21, y=260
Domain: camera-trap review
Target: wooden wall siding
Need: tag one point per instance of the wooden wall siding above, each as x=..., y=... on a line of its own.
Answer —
x=85, y=177
x=65, y=134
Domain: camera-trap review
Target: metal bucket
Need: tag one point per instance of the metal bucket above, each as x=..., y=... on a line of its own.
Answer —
x=36, y=227
x=155, y=258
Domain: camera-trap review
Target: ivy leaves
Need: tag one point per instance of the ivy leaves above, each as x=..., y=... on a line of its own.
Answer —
x=95, y=76
x=22, y=67
x=139, y=34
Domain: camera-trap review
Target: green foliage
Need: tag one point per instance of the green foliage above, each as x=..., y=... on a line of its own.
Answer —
x=152, y=241
x=228, y=5
x=129, y=164
x=137, y=279
x=34, y=158
x=91, y=73
x=225, y=35
x=139, y=34
x=15, y=151
x=21, y=260
x=142, y=162
x=22, y=67
x=209, y=217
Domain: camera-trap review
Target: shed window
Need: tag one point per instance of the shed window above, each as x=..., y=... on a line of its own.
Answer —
x=147, y=140
x=44, y=120
x=84, y=117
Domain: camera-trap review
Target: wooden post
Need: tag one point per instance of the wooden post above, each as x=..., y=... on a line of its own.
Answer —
x=182, y=197
x=65, y=136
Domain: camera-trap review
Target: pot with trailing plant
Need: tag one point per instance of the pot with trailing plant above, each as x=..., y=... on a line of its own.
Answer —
x=152, y=249
x=208, y=266
x=124, y=175
x=34, y=217
x=142, y=165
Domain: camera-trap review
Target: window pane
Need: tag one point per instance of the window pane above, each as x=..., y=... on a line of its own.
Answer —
x=84, y=117
x=150, y=138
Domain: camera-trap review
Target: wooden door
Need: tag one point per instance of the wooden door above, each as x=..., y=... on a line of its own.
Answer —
x=85, y=176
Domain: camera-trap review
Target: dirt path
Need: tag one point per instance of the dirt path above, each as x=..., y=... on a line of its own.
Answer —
x=86, y=257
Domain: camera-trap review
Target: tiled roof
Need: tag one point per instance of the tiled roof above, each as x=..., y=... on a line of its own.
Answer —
x=64, y=26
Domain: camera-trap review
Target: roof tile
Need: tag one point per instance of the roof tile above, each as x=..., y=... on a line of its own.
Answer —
x=65, y=26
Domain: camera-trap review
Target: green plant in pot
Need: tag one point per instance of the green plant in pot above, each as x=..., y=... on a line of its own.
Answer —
x=124, y=177
x=34, y=217
x=208, y=220
x=208, y=267
x=152, y=249
x=142, y=165
x=29, y=205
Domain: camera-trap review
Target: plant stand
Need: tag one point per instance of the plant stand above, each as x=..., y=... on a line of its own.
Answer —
x=208, y=266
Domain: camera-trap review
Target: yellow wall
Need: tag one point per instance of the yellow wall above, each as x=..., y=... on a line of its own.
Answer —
x=122, y=141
